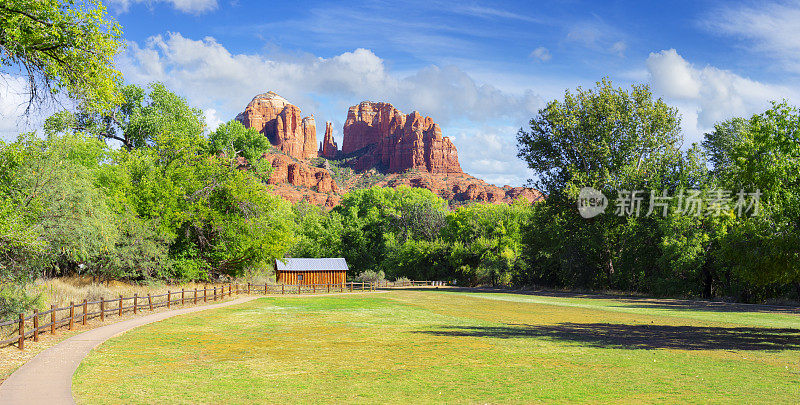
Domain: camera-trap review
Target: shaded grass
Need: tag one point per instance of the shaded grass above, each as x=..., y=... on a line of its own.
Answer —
x=426, y=346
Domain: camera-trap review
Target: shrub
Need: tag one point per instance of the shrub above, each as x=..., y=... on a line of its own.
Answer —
x=371, y=276
x=402, y=280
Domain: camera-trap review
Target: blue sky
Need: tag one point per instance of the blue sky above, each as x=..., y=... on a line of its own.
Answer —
x=480, y=69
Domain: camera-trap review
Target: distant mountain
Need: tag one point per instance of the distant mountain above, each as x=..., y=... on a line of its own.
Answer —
x=381, y=146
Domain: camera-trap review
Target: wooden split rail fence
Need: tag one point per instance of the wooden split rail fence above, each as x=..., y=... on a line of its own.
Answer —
x=29, y=327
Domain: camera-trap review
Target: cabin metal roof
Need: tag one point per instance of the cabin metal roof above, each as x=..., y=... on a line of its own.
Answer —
x=324, y=264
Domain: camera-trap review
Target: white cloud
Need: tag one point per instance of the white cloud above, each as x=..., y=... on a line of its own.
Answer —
x=773, y=28
x=598, y=36
x=211, y=76
x=709, y=95
x=13, y=99
x=541, y=53
x=492, y=12
x=186, y=6
x=489, y=151
x=619, y=48
x=212, y=120
x=672, y=75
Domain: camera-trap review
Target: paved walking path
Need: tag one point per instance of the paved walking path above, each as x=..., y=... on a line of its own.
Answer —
x=47, y=378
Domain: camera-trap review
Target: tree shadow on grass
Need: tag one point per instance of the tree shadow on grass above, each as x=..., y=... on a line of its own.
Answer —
x=707, y=306
x=608, y=335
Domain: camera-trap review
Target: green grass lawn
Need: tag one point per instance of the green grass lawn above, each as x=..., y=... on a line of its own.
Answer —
x=441, y=346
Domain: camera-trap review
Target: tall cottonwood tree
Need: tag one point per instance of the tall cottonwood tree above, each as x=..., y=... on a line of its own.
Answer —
x=608, y=138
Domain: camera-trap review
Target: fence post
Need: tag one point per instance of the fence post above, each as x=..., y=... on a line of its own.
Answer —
x=35, y=325
x=237, y=288
x=150, y=301
x=329, y=288
x=248, y=288
x=298, y=288
x=71, y=314
x=21, y=343
x=102, y=309
x=120, y=305
x=83, y=321
x=169, y=298
x=266, y=288
x=135, y=303
x=205, y=293
x=195, y=296
x=183, y=296
x=314, y=288
x=215, y=293
x=52, y=319
x=283, y=289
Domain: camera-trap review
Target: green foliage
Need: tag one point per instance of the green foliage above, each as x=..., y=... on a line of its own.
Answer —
x=762, y=153
x=487, y=241
x=63, y=45
x=221, y=219
x=169, y=208
x=232, y=139
x=340, y=173
x=50, y=188
x=607, y=138
x=372, y=218
x=319, y=232
x=611, y=140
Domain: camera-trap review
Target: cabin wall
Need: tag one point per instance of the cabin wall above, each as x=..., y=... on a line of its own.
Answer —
x=312, y=277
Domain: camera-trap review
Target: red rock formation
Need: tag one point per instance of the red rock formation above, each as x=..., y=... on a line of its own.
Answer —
x=282, y=123
x=328, y=148
x=383, y=136
x=285, y=170
x=460, y=188
x=376, y=135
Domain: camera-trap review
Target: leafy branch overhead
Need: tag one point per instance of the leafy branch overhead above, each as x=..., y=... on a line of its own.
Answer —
x=62, y=46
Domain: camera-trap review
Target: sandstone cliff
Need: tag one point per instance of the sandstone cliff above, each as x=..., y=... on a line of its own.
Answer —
x=299, y=174
x=328, y=148
x=379, y=135
x=283, y=124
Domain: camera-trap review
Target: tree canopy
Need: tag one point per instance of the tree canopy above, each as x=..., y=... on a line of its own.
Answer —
x=62, y=45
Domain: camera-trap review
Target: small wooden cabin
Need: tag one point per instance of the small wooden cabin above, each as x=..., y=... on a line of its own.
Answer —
x=311, y=271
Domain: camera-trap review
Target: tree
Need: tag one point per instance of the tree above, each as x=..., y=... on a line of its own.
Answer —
x=52, y=184
x=218, y=218
x=61, y=45
x=762, y=153
x=374, y=219
x=142, y=119
x=486, y=241
x=609, y=139
x=233, y=140
x=319, y=232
